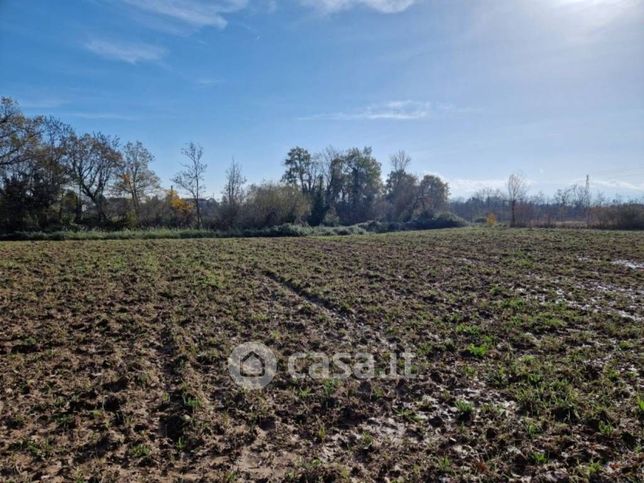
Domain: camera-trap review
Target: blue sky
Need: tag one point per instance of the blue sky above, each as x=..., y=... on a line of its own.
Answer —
x=472, y=90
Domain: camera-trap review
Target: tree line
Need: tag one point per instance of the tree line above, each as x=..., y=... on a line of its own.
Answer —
x=53, y=178
x=573, y=206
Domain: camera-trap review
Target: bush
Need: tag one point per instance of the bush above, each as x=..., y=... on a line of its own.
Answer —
x=443, y=220
x=270, y=204
x=620, y=217
x=285, y=230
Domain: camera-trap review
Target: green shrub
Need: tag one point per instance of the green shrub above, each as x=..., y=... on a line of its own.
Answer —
x=442, y=220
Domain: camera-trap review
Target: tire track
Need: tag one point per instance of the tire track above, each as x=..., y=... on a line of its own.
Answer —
x=354, y=327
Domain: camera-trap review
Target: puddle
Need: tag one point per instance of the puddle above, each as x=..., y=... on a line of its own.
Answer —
x=629, y=264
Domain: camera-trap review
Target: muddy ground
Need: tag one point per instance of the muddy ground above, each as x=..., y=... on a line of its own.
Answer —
x=527, y=358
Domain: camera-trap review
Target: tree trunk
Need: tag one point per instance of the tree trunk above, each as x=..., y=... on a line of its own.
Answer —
x=198, y=212
x=79, y=206
x=513, y=208
x=99, y=210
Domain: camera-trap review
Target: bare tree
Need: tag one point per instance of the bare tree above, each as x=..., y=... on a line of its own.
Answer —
x=517, y=191
x=233, y=193
x=134, y=177
x=191, y=179
x=400, y=161
x=325, y=164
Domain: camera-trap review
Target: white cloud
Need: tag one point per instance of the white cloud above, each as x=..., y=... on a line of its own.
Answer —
x=383, y=6
x=390, y=111
x=108, y=116
x=195, y=13
x=186, y=16
x=43, y=103
x=618, y=184
x=207, y=81
x=467, y=187
x=131, y=53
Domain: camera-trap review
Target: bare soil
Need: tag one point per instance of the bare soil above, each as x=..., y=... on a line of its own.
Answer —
x=528, y=358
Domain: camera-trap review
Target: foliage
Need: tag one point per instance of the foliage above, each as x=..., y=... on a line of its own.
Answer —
x=181, y=209
x=628, y=216
x=441, y=220
x=300, y=170
x=191, y=178
x=233, y=196
x=52, y=178
x=271, y=204
x=134, y=178
x=285, y=230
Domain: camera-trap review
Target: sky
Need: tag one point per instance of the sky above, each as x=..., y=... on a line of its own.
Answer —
x=473, y=90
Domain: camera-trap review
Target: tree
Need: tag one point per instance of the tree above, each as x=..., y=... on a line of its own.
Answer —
x=319, y=206
x=333, y=166
x=517, y=191
x=400, y=161
x=32, y=175
x=362, y=185
x=28, y=194
x=19, y=135
x=271, y=204
x=93, y=161
x=233, y=194
x=486, y=201
x=400, y=189
x=324, y=161
x=180, y=209
x=135, y=179
x=401, y=194
x=300, y=170
x=432, y=195
x=78, y=167
x=53, y=156
x=191, y=179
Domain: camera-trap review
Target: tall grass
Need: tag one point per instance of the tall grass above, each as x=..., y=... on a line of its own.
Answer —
x=160, y=233
x=286, y=230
